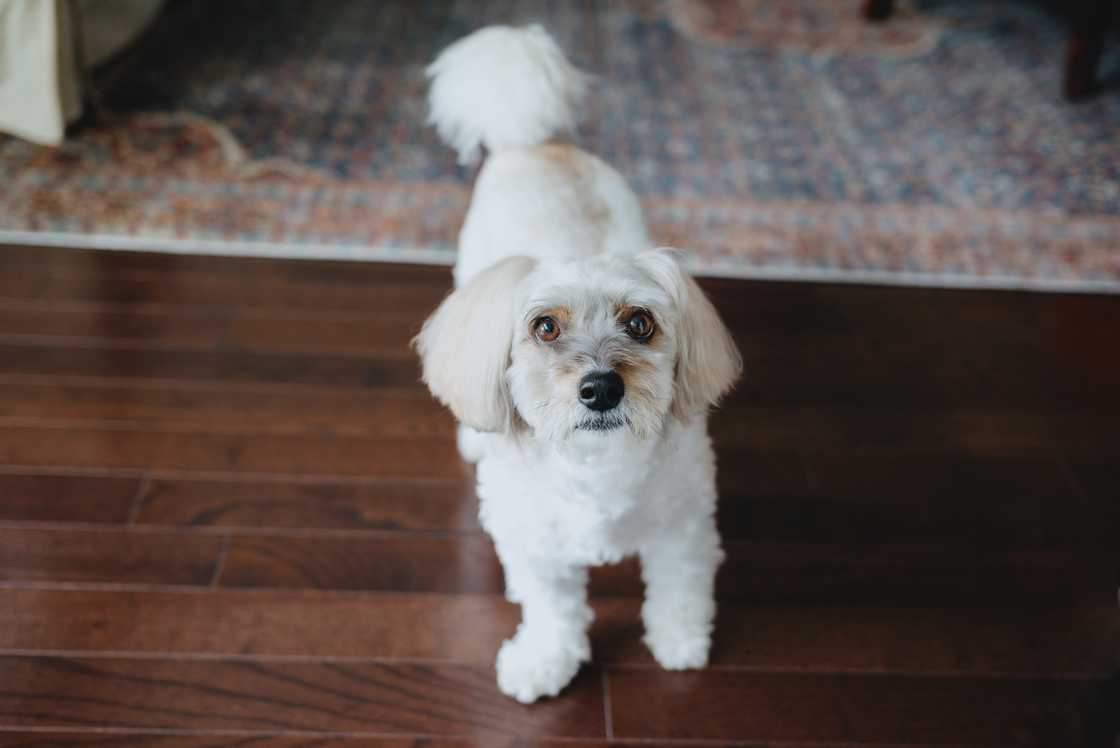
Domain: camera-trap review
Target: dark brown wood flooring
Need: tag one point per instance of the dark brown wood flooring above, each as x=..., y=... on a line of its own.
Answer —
x=231, y=516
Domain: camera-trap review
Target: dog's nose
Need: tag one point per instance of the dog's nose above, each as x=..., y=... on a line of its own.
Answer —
x=601, y=390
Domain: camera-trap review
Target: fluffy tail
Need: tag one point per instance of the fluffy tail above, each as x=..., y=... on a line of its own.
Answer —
x=503, y=87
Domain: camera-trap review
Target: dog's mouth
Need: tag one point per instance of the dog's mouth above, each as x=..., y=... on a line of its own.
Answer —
x=603, y=422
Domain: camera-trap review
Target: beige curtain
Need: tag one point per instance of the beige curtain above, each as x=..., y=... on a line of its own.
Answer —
x=41, y=46
x=38, y=69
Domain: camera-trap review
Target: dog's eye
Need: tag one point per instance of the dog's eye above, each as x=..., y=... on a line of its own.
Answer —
x=546, y=329
x=639, y=325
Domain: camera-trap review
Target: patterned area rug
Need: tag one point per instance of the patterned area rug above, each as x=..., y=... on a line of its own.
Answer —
x=773, y=138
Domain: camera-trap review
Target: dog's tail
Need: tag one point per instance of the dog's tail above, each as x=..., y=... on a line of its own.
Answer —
x=503, y=87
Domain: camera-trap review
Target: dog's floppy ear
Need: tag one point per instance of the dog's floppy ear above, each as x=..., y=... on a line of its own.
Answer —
x=465, y=346
x=708, y=363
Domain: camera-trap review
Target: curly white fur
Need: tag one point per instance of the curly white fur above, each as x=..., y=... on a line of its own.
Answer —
x=503, y=88
x=553, y=231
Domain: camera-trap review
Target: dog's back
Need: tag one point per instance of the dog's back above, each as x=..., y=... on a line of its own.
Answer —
x=512, y=92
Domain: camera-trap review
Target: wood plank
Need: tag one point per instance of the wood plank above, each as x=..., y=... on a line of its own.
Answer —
x=377, y=699
x=918, y=502
x=123, y=448
x=890, y=429
x=387, y=332
x=798, y=308
x=103, y=448
x=133, y=739
x=192, y=407
x=308, y=455
x=215, y=291
x=469, y=628
x=914, y=574
x=242, y=739
x=906, y=574
x=791, y=307
x=781, y=371
x=304, y=624
x=1098, y=487
x=1009, y=641
x=169, y=267
x=787, y=307
x=386, y=562
x=1098, y=481
x=1085, y=435
x=1044, y=331
x=754, y=474
x=755, y=572
x=787, y=371
x=123, y=362
x=1081, y=334
x=60, y=498
x=380, y=505
x=1018, y=503
x=802, y=306
x=371, y=334
x=1010, y=503
x=1004, y=502
x=120, y=556
x=849, y=709
x=737, y=424
x=97, y=322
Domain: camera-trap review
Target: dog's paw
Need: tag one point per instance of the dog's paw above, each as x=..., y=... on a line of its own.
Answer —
x=527, y=672
x=679, y=649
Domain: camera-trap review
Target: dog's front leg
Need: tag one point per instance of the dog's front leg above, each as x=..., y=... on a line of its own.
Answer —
x=551, y=641
x=471, y=444
x=679, y=570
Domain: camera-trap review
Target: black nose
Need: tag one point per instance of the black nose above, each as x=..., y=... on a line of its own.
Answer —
x=601, y=390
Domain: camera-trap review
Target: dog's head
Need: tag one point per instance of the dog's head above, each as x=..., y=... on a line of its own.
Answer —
x=600, y=345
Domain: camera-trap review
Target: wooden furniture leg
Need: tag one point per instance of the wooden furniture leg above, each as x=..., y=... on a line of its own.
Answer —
x=877, y=10
x=1083, y=50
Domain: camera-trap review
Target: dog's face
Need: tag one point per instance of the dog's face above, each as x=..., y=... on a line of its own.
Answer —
x=595, y=350
x=600, y=346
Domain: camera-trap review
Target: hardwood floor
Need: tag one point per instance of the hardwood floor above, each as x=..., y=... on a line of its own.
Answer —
x=231, y=516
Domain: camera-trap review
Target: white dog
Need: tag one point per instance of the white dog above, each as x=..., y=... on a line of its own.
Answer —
x=581, y=365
